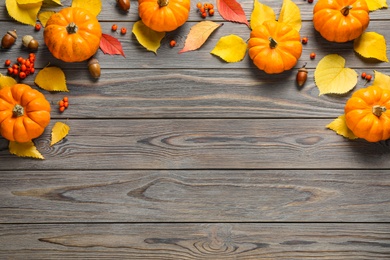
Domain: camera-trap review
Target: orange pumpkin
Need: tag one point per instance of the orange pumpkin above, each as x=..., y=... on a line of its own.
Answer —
x=24, y=113
x=73, y=34
x=341, y=20
x=163, y=15
x=367, y=113
x=274, y=47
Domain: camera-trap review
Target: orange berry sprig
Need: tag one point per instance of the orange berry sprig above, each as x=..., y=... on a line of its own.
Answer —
x=63, y=104
x=22, y=68
x=205, y=9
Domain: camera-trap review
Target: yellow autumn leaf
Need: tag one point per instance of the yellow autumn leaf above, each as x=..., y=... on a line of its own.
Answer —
x=59, y=131
x=51, y=79
x=6, y=81
x=94, y=6
x=290, y=14
x=371, y=45
x=27, y=149
x=231, y=48
x=147, y=37
x=260, y=14
x=340, y=127
x=381, y=80
x=376, y=4
x=44, y=16
x=331, y=76
x=25, y=11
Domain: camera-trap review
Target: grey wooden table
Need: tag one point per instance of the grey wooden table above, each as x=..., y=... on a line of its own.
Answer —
x=188, y=157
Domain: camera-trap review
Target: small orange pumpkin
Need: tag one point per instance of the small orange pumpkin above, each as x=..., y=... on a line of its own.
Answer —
x=274, y=47
x=163, y=15
x=341, y=20
x=367, y=113
x=24, y=113
x=73, y=34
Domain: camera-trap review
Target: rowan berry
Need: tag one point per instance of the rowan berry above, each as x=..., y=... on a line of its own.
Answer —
x=114, y=27
x=199, y=5
x=305, y=40
x=32, y=70
x=172, y=43
x=66, y=104
x=206, y=6
x=312, y=55
x=65, y=99
x=23, y=67
x=22, y=75
x=363, y=75
x=19, y=59
x=204, y=15
x=211, y=12
x=211, y=6
x=15, y=66
x=61, y=103
x=62, y=109
x=7, y=63
x=123, y=30
x=37, y=27
x=368, y=77
x=10, y=70
x=202, y=10
x=28, y=63
x=15, y=72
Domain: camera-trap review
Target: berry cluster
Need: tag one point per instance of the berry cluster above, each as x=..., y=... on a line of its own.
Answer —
x=205, y=8
x=22, y=68
x=114, y=27
x=63, y=104
x=366, y=76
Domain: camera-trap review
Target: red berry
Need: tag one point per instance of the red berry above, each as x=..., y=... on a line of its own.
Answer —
x=114, y=27
x=22, y=75
x=172, y=43
x=204, y=15
x=123, y=30
x=10, y=70
x=32, y=70
x=305, y=40
x=312, y=55
x=199, y=5
x=211, y=11
x=7, y=63
x=62, y=109
x=65, y=99
x=23, y=67
x=66, y=104
x=364, y=75
x=37, y=27
x=368, y=77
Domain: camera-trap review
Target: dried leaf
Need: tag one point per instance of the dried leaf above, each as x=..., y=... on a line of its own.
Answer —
x=59, y=131
x=340, y=127
x=6, y=81
x=26, y=12
x=147, y=37
x=290, y=14
x=51, y=79
x=332, y=77
x=231, y=48
x=376, y=4
x=111, y=45
x=198, y=35
x=232, y=11
x=260, y=14
x=381, y=80
x=24, y=150
x=44, y=16
x=94, y=6
x=371, y=45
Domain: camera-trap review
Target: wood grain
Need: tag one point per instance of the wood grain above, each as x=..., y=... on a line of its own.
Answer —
x=195, y=196
x=202, y=144
x=196, y=241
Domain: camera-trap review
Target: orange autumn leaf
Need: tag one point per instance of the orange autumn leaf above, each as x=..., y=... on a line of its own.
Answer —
x=198, y=35
x=232, y=11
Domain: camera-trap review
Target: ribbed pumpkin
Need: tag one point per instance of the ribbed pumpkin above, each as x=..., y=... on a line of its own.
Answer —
x=73, y=34
x=24, y=113
x=274, y=47
x=341, y=20
x=163, y=15
x=367, y=113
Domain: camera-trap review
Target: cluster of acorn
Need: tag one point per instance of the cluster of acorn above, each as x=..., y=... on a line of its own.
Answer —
x=10, y=37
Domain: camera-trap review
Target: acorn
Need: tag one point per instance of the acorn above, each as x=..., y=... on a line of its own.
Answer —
x=124, y=4
x=94, y=68
x=8, y=39
x=30, y=42
x=301, y=76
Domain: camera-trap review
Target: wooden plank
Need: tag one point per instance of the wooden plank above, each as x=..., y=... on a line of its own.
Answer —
x=194, y=196
x=202, y=144
x=196, y=241
x=137, y=57
x=194, y=93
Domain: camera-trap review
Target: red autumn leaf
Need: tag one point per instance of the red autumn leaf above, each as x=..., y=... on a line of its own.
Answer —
x=111, y=45
x=232, y=11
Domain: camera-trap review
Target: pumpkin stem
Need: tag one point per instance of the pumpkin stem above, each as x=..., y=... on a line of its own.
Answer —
x=272, y=43
x=378, y=110
x=163, y=3
x=345, y=10
x=17, y=111
x=71, y=28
